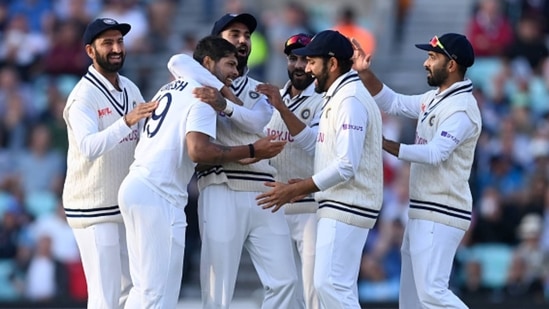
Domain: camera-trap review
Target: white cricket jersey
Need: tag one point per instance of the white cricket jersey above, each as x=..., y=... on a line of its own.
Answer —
x=349, y=139
x=100, y=149
x=244, y=126
x=294, y=161
x=440, y=192
x=231, y=131
x=161, y=157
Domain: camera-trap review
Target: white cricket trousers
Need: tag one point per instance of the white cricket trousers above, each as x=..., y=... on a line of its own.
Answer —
x=337, y=263
x=156, y=242
x=428, y=251
x=303, y=233
x=231, y=220
x=104, y=258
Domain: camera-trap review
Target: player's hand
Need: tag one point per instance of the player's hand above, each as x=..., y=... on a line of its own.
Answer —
x=211, y=96
x=273, y=94
x=275, y=198
x=142, y=110
x=267, y=147
x=361, y=60
x=299, y=197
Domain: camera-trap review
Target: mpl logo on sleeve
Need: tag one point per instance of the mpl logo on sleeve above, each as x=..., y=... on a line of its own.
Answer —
x=104, y=112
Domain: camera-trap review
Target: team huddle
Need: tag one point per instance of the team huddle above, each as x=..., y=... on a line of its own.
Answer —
x=293, y=175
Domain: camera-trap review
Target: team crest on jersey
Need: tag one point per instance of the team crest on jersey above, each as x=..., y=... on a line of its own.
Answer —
x=253, y=94
x=432, y=120
x=306, y=113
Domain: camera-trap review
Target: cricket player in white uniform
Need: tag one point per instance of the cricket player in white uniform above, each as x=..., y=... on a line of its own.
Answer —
x=448, y=127
x=230, y=218
x=102, y=115
x=154, y=194
x=298, y=108
x=348, y=178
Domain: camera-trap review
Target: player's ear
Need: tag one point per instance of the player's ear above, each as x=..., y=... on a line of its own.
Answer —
x=208, y=63
x=89, y=50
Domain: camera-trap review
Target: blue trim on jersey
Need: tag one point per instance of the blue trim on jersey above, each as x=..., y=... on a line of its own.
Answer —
x=92, y=212
x=251, y=178
x=105, y=214
x=442, y=209
x=295, y=105
x=356, y=210
x=343, y=209
x=121, y=108
x=238, y=175
x=348, y=79
x=463, y=89
x=237, y=89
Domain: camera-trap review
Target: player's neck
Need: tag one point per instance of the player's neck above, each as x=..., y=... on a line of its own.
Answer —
x=112, y=77
x=294, y=92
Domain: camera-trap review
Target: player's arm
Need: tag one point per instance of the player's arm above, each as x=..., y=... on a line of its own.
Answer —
x=200, y=130
x=294, y=124
x=184, y=66
x=203, y=151
x=351, y=124
x=387, y=100
x=304, y=136
x=254, y=119
x=306, y=139
x=93, y=142
x=349, y=146
x=251, y=120
x=451, y=132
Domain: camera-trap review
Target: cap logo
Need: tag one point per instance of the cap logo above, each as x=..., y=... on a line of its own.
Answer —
x=233, y=15
x=109, y=21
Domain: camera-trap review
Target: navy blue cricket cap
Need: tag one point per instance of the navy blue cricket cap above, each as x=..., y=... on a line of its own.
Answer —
x=100, y=25
x=327, y=43
x=457, y=46
x=227, y=19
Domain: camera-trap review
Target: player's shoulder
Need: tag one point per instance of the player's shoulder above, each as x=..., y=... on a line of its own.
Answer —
x=84, y=90
x=127, y=83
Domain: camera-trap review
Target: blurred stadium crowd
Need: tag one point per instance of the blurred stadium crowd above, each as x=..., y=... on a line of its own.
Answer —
x=505, y=254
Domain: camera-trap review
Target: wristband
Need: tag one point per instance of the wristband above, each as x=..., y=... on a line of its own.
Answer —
x=228, y=110
x=252, y=150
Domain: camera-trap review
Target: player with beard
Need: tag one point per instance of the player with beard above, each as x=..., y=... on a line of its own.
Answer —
x=448, y=127
x=230, y=218
x=298, y=108
x=103, y=115
x=347, y=180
